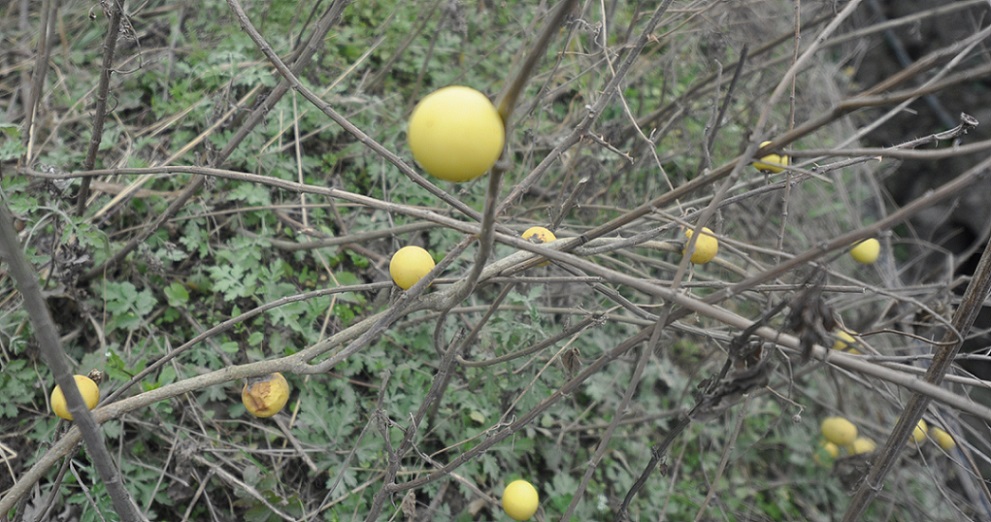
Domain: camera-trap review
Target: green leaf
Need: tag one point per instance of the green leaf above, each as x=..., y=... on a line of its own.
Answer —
x=10, y=130
x=166, y=376
x=177, y=295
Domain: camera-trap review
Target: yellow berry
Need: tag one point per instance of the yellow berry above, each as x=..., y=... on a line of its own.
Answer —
x=826, y=453
x=866, y=252
x=861, y=445
x=773, y=163
x=844, y=341
x=944, y=439
x=520, y=500
x=919, y=433
x=265, y=396
x=87, y=388
x=838, y=430
x=539, y=235
x=408, y=265
x=456, y=134
x=706, y=246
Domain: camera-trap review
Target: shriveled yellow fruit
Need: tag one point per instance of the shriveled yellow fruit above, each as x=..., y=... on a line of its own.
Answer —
x=520, y=500
x=826, y=453
x=944, y=439
x=866, y=252
x=838, y=430
x=408, y=265
x=87, y=388
x=265, y=396
x=919, y=433
x=539, y=235
x=773, y=163
x=706, y=246
x=861, y=445
x=456, y=134
x=844, y=343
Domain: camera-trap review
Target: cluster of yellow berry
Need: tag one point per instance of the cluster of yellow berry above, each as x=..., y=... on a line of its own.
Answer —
x=839, y=432
x=262, y=396
x=455, y=134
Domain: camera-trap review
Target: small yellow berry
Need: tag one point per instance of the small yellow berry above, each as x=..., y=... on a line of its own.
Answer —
x=773, y=163
x=87, y=388
x=944, y=439
x=408, y=265
x=706, y=246
x=826, y=452
x=539, y=235
x=265, y=396
x=861, y=445
x=844, y=341
x=866, y=252
x=838, y=430
x=520, y=500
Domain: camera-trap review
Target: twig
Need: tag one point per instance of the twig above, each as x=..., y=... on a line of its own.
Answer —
x=593, y=111
x=240, y=485
x=727, y=98
x=291, y=76
x=294, y=363
x=313, y=44
x=356, y=443
x=49, y=8
x=543, y=344
x=724, y=459
x=658, y=451
x=116, y=8
x=656, y=454
x=505, y=105
x=46, y=334
x=971, y=304
x=297, y=362
x=905, y=60
x=434, y=394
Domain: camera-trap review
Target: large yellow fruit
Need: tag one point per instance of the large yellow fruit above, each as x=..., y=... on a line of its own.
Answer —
x=409, y=264
x=839, y=431
x=456, y=134
x=265, y=396
x=87, y=388
x=773, y=163
x=944, y=439
x=866, y=252
x=706, y=246
x=520, y=500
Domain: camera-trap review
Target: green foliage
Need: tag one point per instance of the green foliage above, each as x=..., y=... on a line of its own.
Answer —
x=16, y=380
x=236, y=246
x=126, y=305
